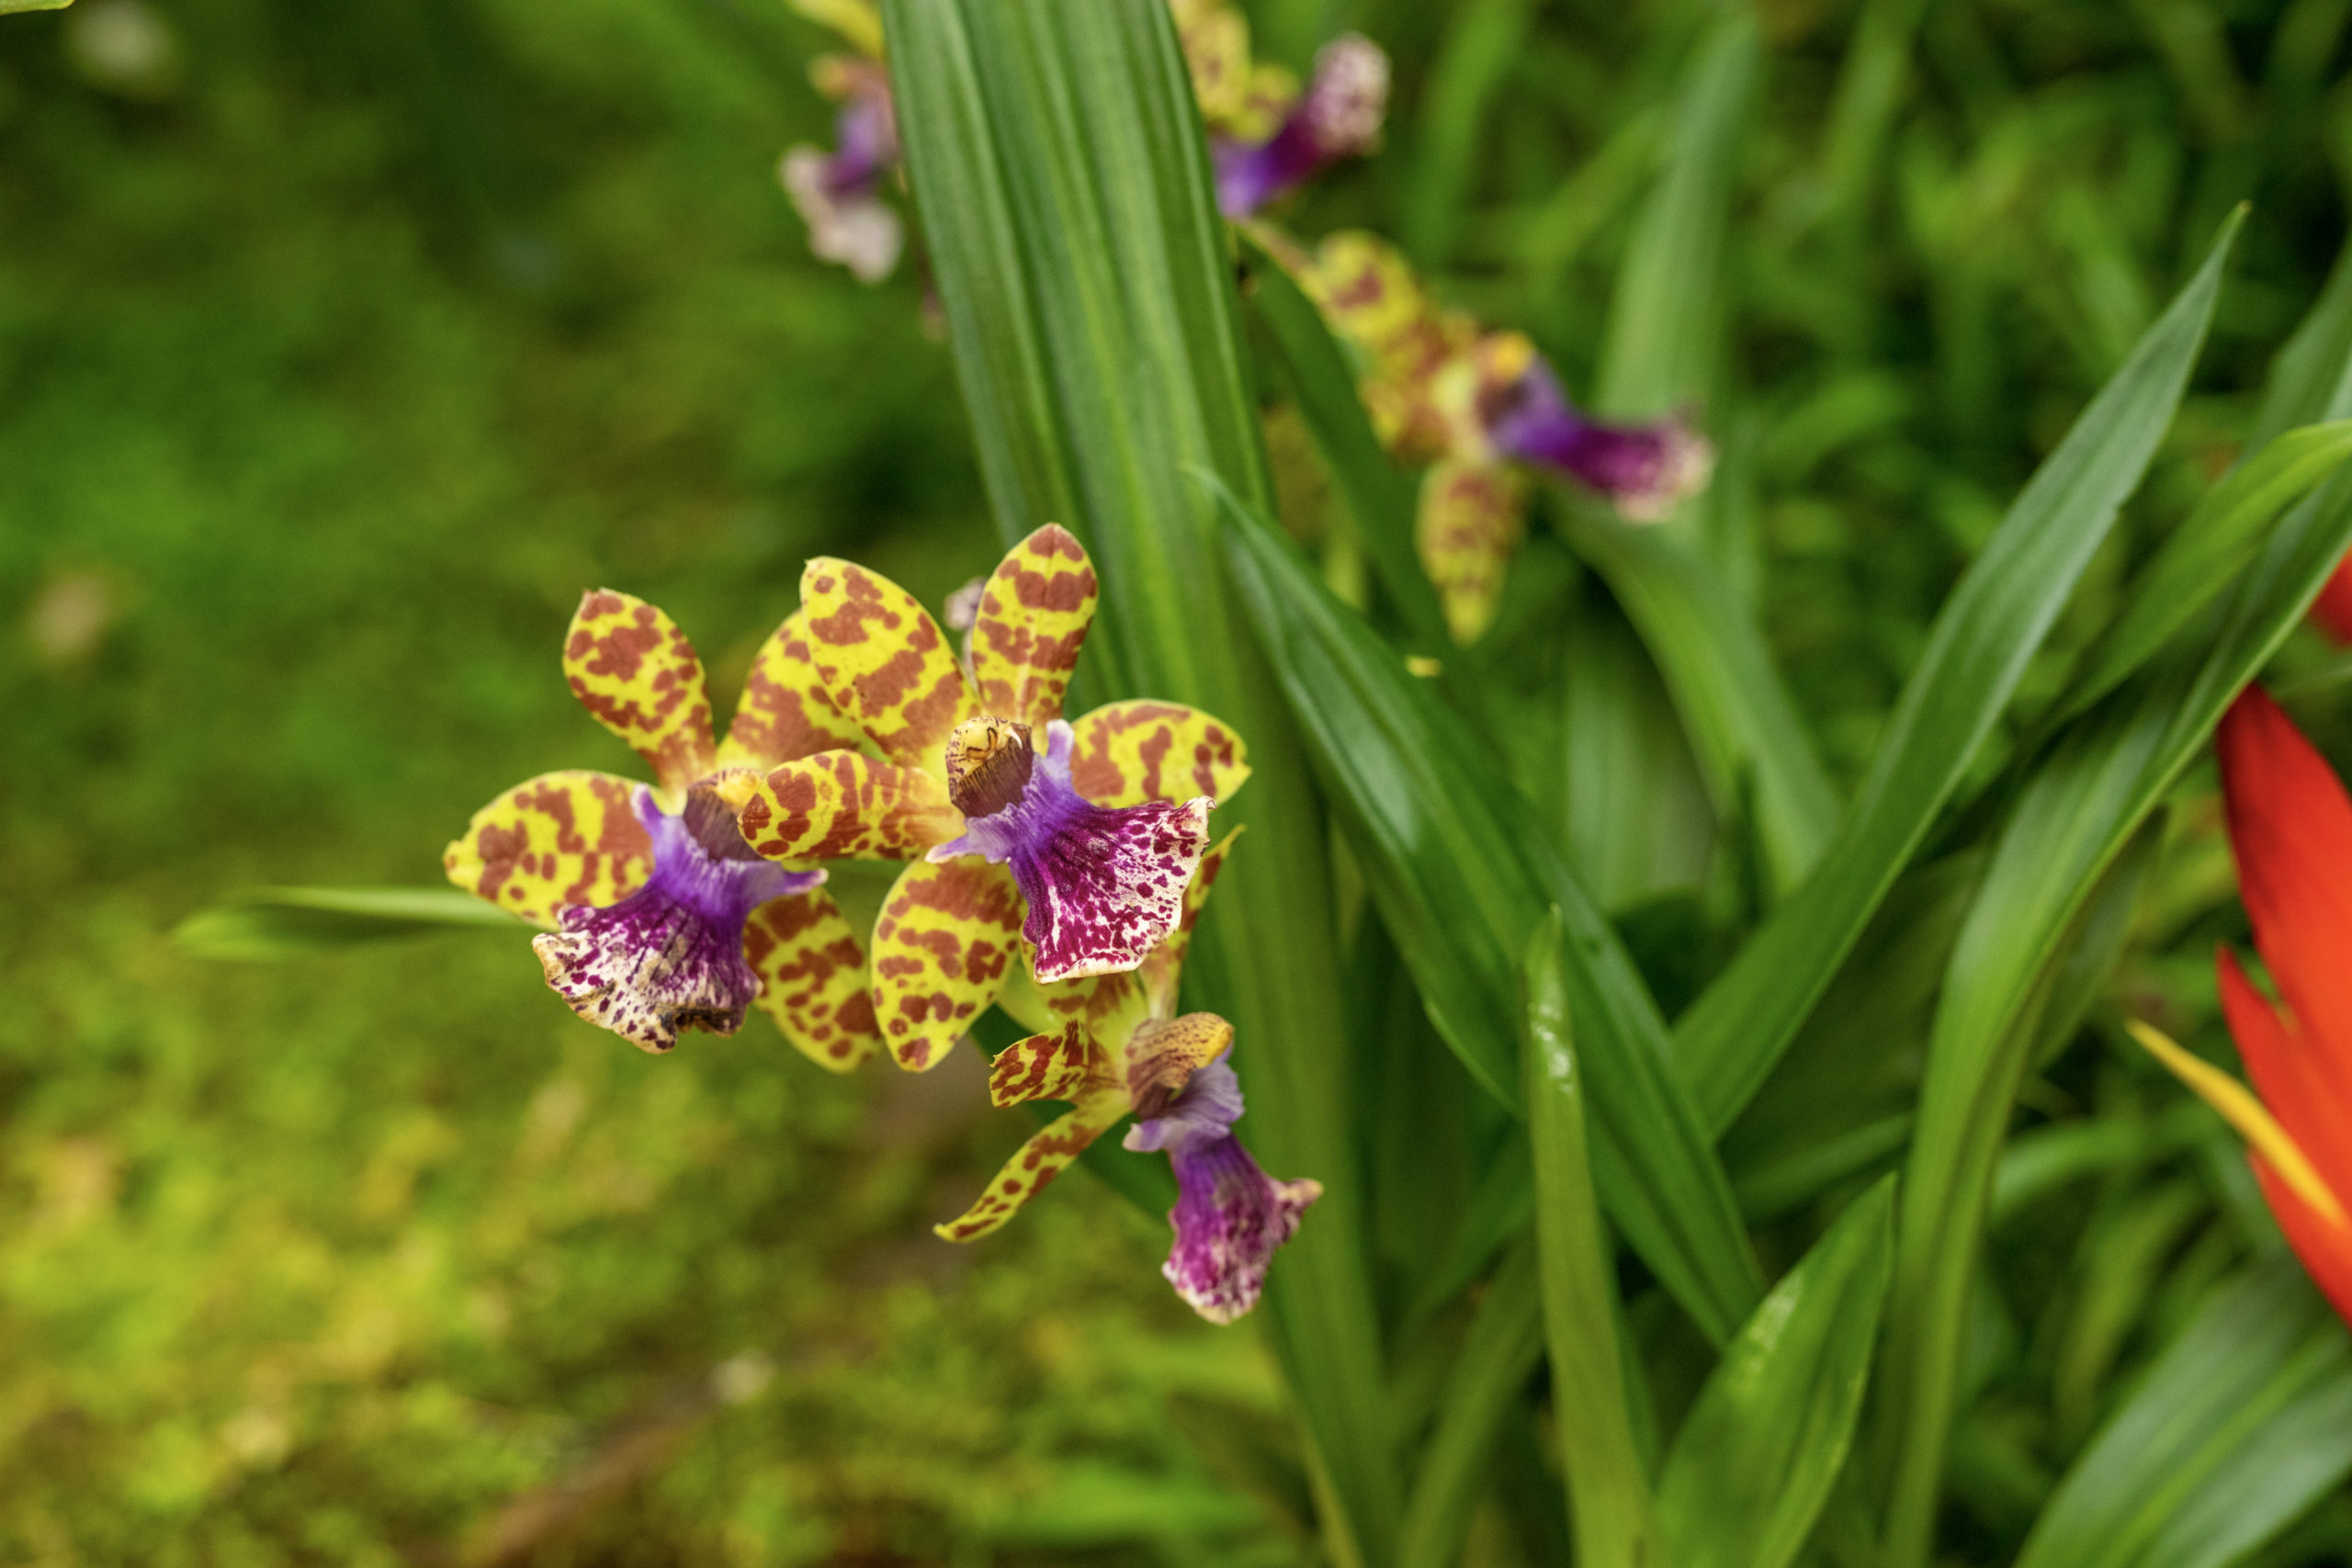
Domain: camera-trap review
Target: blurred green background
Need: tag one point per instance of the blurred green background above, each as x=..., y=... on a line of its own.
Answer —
x=341, y=346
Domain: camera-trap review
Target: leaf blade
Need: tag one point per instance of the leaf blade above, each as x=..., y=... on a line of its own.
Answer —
x=1976, y=654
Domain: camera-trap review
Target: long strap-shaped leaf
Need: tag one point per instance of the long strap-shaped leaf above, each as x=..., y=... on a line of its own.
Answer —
x=1742, y=726
x=1609, y=1497
x=2104, y=774
x=1755, y=1459
x=2244, y=1421
x=1486, y=1382
x=1058, y=164
x=1461, y=878
x=1982, y=641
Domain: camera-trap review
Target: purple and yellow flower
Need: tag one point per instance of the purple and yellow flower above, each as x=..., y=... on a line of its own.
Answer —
x=838, y=194
x=1071, y=841
x=1114, y=1045
x=661, y=917
x=1480, y=408
x=1266, y=136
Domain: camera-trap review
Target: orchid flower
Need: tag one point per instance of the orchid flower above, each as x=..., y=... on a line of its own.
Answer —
x=838, y=194
x=1480, y=408
x=2291, y=828
x=661, y=917
x=1075, y=841
x=1114, y=1045
x=1266, y=137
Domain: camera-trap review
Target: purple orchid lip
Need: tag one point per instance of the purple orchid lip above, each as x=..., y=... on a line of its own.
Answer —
x=1645, y=469
x=866, y=132
x=669, y=956
x=1230, y=1216
x=1104, y=883
x=1337, y=117
x=838, y=195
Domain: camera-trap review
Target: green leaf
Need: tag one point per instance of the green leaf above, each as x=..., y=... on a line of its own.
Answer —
x=1315, y=371
x=2206, y=553
x=1982, y=641
x=268, y=923
x=1633, y=805
x=1664, y=320
x=1484, y=42
x=2312, y=377
x=1057, y=165
x=1870, y=90
x=1755, y=1459
x=1742, y=724
x=2243, y=1423
x=10, y=6
x=2102, y=778
x=1497, y=1210
x=1460, y=876
x=1481, y=1389
x=1609, y=1499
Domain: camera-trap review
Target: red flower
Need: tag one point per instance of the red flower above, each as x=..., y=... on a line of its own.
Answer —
x=2290, y=828
x=2333, y=609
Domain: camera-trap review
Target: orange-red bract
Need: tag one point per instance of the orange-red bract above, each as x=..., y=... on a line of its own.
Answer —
x=2291, y=828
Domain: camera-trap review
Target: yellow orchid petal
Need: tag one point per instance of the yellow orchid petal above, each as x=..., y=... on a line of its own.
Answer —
x=1469, y=523
x=1127, y=754
x=634, y=670
x=885, y=662
x=2252, y=1119
x=786, y=712
x=1033, y=617
x=948, y=934
x=846, y=805
x=562, y=837
x=1162, y=1055
x=1063, y=1066
x=812, y=978
x=1033, y=1166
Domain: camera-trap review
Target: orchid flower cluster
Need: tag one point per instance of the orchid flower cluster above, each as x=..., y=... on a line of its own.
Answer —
x=1477, y=408
x=1080, y=847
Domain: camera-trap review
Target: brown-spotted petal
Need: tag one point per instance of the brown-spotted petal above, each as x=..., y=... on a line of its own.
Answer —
x=888, y=667
x=846, y=805
x=1033, y=1166
x=634, y=670
x=946, y=936
x=1127, y=754
x=1032, y=621
x=786, y=712
x=562, y=837
x=813, y=979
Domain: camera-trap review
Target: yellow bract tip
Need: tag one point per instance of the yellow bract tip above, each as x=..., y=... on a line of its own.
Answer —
x=2241, y=1111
